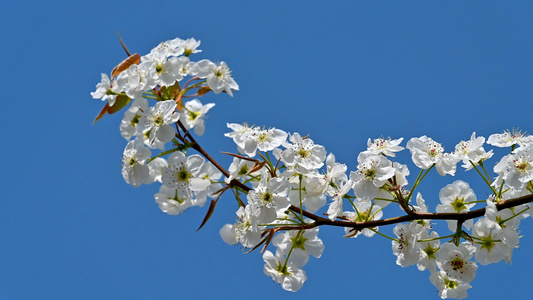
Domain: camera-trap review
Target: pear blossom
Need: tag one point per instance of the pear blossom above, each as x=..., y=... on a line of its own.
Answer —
x=285, y=273
x=334, y=177
x=406, y=247
x=455, y=261
x=245, y=231
x=302, y=175
x=510, y=138
x=134, y=169
x=240, y=169
x=387, y=147
x=337, y=193
x=172, y=47
x=183, y=173
x=421, y=207
x=156, y=169
x=156, y=120
x=210, y=172
x=472, y=151
x=300, y=245
x=137, y=79
x=516, y=168
x=449, y=287
x=503, y=223
x=268, y=197
x=456, y=198
x=372, y=173
x=190, y=46
x=426, y=152
x=218, y=76
x=129, y=125
x=304, y=153
x=171, y=202
x=428, y=245
x=167, y=69
x=103, y=88
x=262, y=140
x=489, y=249
x=238, y=133
x=193, y=115
x=311, y=202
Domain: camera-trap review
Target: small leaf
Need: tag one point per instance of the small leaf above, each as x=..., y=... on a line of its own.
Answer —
x=101, y=113
x=268, y=239
x=209, y=213
x=353, y=232
x=125, y=64
x=123, y=45
x=256, y=246
x=120, y=102
x=257, y=166
x=240, y=156
x=173, y=91
x=203, y=90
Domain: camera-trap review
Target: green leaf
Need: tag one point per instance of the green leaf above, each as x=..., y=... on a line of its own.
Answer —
x=120, y=102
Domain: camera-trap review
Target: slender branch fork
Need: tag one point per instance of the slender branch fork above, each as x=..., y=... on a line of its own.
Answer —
x=320, y=221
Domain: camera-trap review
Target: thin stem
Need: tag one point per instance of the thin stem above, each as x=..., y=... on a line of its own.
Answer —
x=437, y=238
x=484, y=179
x=384, y=235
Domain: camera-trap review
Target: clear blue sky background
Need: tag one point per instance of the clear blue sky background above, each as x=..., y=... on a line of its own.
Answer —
x=343, y=71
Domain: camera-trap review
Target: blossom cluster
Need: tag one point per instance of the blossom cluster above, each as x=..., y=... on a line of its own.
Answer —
x=185, y=180
x=305, y=176
x=282, y=181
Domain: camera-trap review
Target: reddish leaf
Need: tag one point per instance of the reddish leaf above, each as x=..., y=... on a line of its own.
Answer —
x=125, y=64
x=240, y=156
x=268, y=239
x=122, y=43
x=101, y=113
x=209, y=213
x=257, y=166
x=256, y=246
x=203, y=90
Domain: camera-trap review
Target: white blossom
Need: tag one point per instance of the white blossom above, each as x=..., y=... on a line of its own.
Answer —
x=510, y=138
x=300, y=244
x=426, y=152
x=183, y=173
x=449, y=287
x=134, y=169
x=218, y=76
x=156, y=120
x=193, y=115
x=384, y=146
x=406, y=248
x=372, y=173
x=472, y=151
x=455, y=261
x=456, y=198
x=285, y=273
x=303, y=153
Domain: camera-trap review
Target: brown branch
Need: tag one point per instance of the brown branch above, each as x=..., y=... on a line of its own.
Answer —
x=411, y=216
x=461, y=217
x=201, y=150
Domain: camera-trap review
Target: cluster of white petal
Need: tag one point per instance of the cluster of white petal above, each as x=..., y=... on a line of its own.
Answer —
x=299, y=177
x=186, y=181
x=165, y=65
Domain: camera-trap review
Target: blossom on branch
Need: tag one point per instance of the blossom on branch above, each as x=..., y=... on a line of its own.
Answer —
x=427, y=153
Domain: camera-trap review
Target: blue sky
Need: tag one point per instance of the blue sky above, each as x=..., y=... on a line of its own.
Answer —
x=343, y=72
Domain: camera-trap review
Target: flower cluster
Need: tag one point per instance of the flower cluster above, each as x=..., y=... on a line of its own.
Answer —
x=282, y=181
x=185, y=180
